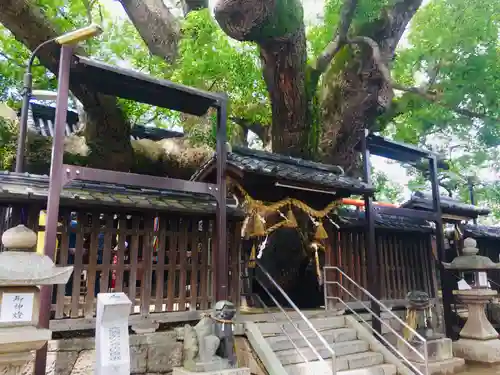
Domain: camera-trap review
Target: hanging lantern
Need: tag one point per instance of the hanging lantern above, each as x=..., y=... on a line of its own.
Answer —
x=291, y=222
x=320, y=232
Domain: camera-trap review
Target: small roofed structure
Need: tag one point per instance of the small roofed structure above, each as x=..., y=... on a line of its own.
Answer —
x=388, y=221
x=299, y=202
x=43, y=116
x=272, y=177
x=452, y=209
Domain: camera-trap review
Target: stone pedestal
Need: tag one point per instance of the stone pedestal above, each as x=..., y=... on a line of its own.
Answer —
x=478, y=339
x=477, y=326
x=440, y=357
x=112, y=338
x=232, y=371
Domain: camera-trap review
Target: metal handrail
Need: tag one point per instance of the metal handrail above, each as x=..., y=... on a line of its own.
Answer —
x=300, y=314
x=424, y=357
x=282, y=328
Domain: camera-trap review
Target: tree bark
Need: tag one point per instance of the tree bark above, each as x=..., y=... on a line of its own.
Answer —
x=107, y=131
x=278, y=28
x=354, y=92
x=158, y=27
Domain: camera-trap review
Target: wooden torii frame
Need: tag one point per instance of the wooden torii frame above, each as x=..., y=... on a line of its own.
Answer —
x=111, y=80
x=376, y=145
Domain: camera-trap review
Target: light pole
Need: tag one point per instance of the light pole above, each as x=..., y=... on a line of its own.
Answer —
x=72, y=37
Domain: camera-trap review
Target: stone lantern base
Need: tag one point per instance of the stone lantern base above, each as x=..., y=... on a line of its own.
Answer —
x=478, y=351
x=478, y=339
x=17, y=346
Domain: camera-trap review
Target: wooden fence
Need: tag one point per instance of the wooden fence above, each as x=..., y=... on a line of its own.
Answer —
x=162, y=268
x=405, y=263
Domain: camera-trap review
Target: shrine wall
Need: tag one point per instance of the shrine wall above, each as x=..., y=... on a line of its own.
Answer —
x=150, y=353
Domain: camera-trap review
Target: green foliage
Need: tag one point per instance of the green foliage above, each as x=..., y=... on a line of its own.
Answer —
x=387, y=190
x=211, y=61
x=288, y=17
x=462, y=46
x=8, y=138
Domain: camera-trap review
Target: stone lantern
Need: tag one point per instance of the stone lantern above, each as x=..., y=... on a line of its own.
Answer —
x=22, y=271
x=478, y=339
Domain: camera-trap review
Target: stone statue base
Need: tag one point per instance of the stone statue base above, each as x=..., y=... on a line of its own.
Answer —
x=440, y=356
x=232, y=371
x=215, y=364
x=487, y=351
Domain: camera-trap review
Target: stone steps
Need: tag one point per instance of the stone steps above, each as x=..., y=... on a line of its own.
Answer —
x=290, y=356
x=281, y=342
x=269, y=328
x=383, y=369
x=353, y=355
x=367, y=363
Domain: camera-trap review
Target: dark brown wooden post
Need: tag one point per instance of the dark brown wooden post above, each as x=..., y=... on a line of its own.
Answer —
x=373, y=279
x=445, y=276
x=221, y=255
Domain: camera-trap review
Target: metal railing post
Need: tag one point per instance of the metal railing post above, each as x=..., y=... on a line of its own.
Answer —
x=373, y=314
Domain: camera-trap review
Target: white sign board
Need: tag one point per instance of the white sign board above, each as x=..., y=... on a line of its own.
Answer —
x=112, y=339
x=462, y=285
x=16, y=307
x=482, y=279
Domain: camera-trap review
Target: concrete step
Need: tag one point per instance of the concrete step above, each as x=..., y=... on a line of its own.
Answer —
x=269, y=328
x=291, y=356
x=325, y=368
x=281, y=342
x=384, y=369
x=359, y=361
x=311, y=368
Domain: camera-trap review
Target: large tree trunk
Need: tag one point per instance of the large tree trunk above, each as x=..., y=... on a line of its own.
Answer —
x=278, y=28
x=107, y=131
x=354, y=92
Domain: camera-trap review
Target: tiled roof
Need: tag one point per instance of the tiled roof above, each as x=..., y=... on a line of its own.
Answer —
x=21, y=187
x=42, y=119
x=289, y=169
x=482, y=231
x=423, y=201
x=351, y=218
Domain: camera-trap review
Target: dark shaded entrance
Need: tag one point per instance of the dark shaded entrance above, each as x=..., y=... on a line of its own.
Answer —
x=292, y=265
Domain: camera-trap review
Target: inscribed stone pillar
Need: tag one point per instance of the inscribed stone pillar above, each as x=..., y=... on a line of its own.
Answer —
x=112, y=338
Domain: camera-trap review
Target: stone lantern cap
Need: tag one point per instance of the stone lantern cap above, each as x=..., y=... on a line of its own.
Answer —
x=21, y=266
x=470, y=260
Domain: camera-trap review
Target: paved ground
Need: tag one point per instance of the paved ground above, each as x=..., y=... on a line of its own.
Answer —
x=481, y=370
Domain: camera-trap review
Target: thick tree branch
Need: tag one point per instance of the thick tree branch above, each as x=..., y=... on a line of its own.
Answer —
x=432, y=97
x=262, y=131
x=158, y=27
x=340, y=36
